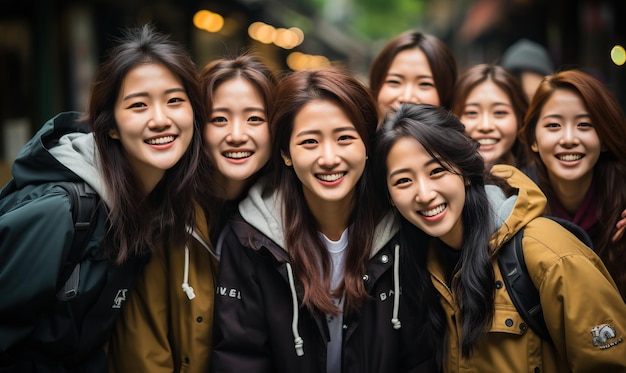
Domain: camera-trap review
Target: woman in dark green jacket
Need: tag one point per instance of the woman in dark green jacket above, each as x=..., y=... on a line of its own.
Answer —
x=140, y=149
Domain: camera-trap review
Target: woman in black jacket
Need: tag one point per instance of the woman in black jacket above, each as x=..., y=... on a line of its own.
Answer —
x=308, y=280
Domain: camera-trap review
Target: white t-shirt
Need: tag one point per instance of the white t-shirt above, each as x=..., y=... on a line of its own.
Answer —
x=337, y=251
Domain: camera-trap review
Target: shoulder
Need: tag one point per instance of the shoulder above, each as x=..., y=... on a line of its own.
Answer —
x=548, y=245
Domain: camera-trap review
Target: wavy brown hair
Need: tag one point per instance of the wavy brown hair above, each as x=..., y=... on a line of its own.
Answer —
x=439, y=56
x=481, y=73
x=609, y=171
x=311, y=262
x=137, y=222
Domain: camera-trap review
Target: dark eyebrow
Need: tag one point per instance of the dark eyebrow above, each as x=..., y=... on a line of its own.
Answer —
x=317, y=132
x=432, y=160
x=145, y=94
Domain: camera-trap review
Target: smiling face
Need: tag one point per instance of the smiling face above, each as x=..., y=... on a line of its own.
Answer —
x=424, y=192
x=154, y=121
x=489, y=118
x=238, y=133
x=408, y=80
x=327, y=153
x=566, y=141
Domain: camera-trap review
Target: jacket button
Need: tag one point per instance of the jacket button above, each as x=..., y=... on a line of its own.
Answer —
x=508, y=322
x=384, y=258
x=366, y=278
x=199, y=319
x=523, y=327
x=499, y=284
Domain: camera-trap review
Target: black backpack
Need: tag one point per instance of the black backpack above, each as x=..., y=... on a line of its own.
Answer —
x=85, y=205
x=522, y=291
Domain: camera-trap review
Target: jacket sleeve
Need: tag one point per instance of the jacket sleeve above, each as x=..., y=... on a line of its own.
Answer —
x=139, y=342
x=240, y=338
x=35, y=236
x=584, y=312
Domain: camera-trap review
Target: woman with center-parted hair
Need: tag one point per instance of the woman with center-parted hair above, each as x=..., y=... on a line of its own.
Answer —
x=139, y=147
x=432, y=173
x=308, y=274
x=170, y=315
x=413, y=67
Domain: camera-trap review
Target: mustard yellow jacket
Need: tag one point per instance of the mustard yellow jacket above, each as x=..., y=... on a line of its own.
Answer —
x=160, y=328
x=584, y=312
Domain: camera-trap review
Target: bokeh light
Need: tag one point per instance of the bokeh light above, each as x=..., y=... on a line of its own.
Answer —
x=618, y=55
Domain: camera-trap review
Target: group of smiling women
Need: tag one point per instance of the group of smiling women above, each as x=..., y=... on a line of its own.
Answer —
x=352, y=227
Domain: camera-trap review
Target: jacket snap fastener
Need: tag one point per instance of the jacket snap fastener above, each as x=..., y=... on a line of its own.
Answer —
x=499, y=284
x=366, y=277
x=199, y=319
x=384, y=258
x=522, y=327
x=508, y=322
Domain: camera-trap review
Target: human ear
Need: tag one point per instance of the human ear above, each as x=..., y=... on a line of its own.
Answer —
x=534, y=147
x=114, y=134
x=286, y=159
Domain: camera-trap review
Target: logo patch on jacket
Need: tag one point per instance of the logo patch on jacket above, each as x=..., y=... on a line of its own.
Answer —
x=119, y=298
x=603, y=336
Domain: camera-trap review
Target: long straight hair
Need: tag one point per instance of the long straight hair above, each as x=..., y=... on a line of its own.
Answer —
x=444, y=138
x=137, y=222
x=440, y=58
x=306, y=250
x=609, y=171
x=507, y=82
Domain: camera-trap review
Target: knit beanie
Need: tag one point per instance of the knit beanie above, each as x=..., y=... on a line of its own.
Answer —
x=526, y=55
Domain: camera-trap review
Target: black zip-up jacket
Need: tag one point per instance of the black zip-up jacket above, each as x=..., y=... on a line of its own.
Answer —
x=260, y=327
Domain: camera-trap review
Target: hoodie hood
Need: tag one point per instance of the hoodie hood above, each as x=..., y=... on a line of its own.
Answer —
x=262, y=210
x=511, y=214
x=62, y=150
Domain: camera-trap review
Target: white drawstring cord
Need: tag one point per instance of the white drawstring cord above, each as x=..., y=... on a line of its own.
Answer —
x=186, y=288
x=396, y=283
x=299, y=343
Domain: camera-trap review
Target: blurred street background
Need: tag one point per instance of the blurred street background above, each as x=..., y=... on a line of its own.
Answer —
x=49, y=50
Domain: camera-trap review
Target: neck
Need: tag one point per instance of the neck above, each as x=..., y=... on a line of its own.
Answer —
x=231, y=189
x=571, y=193
x=332, y=217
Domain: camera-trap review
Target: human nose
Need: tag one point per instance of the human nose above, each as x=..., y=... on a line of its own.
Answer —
x=409, y=94
x=484, y=123
x=329, y=156
x=569, y=137
x=424, y=192
x=160, y=120
x=237, y=133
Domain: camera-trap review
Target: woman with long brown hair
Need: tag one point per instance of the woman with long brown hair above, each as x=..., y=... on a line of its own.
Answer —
x=413, y=67
x=308, y=279
x=577, y=133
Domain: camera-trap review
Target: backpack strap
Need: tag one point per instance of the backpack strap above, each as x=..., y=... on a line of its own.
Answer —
x=85, y=206
x=520, y=287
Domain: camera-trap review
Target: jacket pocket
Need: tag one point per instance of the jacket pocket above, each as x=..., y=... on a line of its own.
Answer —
x=507, y=321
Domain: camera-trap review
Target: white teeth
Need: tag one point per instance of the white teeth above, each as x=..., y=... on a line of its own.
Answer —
x=435, y=211
x=237, y=155
x=487, y=141
x=160, y=140
x=569, y=157
x=331, y=177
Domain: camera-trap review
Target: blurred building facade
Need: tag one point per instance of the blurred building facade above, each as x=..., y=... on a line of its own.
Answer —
x=49, y=49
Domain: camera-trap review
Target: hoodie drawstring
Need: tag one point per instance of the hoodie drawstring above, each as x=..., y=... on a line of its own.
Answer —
x=186, y=288
x=396, y=292
x=299, y=343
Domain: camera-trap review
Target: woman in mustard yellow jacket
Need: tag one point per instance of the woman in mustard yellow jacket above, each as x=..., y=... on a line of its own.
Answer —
x=167, y=324
x=437, y=182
